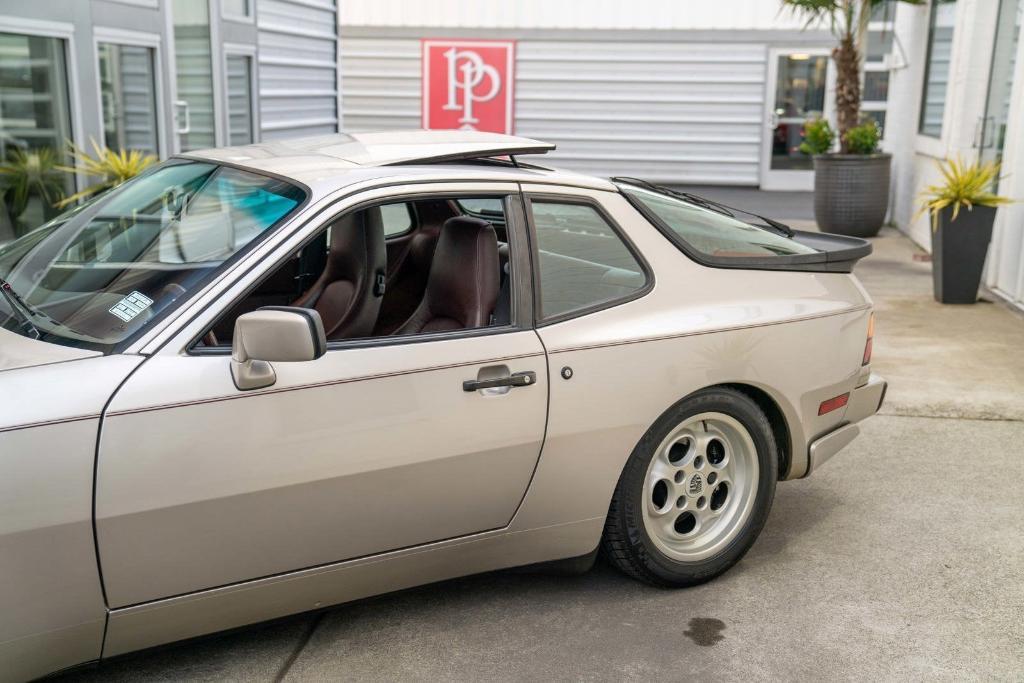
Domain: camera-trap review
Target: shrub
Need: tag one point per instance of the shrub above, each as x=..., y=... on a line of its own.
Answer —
x=863, y=139
x=818, y=137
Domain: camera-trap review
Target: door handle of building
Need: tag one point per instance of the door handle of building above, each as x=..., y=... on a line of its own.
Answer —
x=184, y=120
x=516, y=379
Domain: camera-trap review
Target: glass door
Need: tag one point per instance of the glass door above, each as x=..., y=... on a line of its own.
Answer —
x=798, y=81
x=1007, y=267
x=1000, y=80
x=128, y=99
x=35, y=126
x=194, y=107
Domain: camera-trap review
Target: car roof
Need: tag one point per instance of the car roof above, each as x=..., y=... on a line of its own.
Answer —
x=325, y=163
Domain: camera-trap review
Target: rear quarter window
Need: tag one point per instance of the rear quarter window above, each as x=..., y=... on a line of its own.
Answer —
x=583, y=262
x=711, y=233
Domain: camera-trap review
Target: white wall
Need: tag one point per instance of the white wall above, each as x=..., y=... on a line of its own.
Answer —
x=570, y=14
x=1006, y=258
x=915, y=155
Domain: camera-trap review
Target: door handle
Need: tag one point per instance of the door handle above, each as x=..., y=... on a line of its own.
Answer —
x=517, y=379
x=184, y=125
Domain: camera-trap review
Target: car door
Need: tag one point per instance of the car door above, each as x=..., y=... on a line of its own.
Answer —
x=370, y=448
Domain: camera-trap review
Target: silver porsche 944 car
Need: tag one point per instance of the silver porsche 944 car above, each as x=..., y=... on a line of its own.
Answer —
x=261, y=380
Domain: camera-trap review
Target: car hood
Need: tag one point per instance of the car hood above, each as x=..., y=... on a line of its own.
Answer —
x=17, y=351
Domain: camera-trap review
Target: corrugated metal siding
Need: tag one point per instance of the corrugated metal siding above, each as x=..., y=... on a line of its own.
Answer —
x=669, y=111
x=593, y=14
x=297, y=67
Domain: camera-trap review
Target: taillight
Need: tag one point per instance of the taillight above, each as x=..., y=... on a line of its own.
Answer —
x=868, y=343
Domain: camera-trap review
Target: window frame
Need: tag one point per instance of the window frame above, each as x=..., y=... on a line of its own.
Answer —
x=522, y=314
x=557, y=198
x=414, y=222
x=151, y=41
x=65, y=32
x=248, y=52
x=933, y=10
x=249, y=18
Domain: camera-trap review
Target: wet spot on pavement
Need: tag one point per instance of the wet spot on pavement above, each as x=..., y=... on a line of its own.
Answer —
x=704, y=631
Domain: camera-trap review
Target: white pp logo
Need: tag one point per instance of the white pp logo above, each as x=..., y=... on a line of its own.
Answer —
x=467, y=71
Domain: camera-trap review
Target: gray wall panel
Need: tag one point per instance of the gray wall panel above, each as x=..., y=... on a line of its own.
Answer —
x=297, y=67
x=672, y=111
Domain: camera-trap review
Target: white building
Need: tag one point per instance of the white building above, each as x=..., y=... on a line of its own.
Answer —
x=692, y=92
x=682, y=92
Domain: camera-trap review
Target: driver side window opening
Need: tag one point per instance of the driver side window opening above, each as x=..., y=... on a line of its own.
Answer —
x=425, y=265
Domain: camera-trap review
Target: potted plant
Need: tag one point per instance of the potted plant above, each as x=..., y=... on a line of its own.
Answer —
x=27, y=174
x=962, y=209
x=851, y=187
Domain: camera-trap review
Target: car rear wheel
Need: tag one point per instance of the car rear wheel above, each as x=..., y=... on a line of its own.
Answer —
x=695, y=492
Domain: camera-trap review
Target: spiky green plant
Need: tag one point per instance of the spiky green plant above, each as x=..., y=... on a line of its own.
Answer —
x=848, y=20
x=965, y=185
x=30, y=173
x=111, y=167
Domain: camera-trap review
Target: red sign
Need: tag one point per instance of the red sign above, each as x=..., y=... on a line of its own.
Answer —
x=468, y=84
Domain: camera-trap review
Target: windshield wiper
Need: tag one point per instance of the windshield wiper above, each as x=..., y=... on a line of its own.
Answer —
x=24, y=309
x=20, y=309
x=706, y=203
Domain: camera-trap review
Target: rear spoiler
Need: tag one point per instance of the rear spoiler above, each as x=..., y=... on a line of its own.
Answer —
x=837, y=253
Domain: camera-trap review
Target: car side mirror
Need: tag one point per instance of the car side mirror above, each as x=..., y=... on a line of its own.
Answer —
x=272, y=334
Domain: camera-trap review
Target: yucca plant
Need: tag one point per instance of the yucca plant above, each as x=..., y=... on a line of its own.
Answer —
x=30, y=173
x=111, y=167
x=965, y=185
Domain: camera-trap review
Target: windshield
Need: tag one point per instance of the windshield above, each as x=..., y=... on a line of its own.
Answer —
x=96, y=275
x=710, y=232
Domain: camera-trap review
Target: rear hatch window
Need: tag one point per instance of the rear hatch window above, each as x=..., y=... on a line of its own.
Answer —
x=712, y=233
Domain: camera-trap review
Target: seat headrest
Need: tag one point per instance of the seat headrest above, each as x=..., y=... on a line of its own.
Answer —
x=464, y=275
x=352, y=237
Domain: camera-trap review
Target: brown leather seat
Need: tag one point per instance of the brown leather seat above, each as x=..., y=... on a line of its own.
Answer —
x=462, y=288
x=348, y=293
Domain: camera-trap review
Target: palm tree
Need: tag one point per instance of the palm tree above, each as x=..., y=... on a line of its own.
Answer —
x=848, y=20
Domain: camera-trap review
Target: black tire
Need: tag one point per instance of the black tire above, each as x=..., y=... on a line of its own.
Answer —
x=626, y=542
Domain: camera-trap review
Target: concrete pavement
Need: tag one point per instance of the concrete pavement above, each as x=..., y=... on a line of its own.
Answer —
x=901, y=558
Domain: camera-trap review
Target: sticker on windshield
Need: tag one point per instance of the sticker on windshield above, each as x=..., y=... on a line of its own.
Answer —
x=127, y=308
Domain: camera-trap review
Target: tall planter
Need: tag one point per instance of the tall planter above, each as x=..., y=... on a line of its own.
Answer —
x=958, y=253
x=851, y=193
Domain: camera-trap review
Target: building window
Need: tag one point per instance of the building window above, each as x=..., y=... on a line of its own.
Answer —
x=236, y=9
x=936, y=74
x=240, y=118
x=128, y=97
x=195, y=110
x=877, y=56
x=876, y=86
x=35, y=125
x=1000, y=81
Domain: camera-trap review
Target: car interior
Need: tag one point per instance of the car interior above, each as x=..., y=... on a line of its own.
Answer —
x=427, y=265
